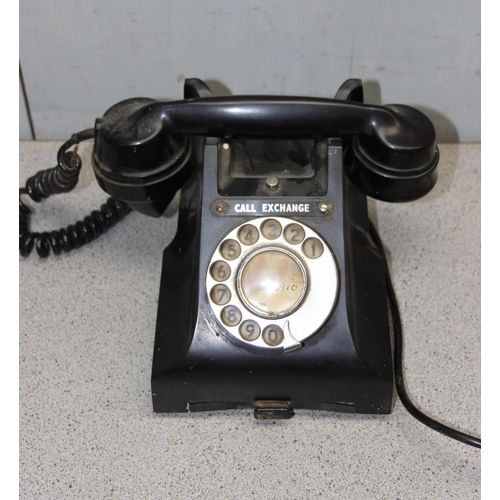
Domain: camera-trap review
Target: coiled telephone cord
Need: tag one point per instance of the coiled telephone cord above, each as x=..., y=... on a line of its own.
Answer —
x=62, y=179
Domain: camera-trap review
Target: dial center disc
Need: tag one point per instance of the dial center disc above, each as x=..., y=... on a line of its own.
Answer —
x=272, y=282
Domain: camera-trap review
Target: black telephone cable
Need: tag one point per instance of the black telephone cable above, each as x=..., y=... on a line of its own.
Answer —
x=398, y=364
x=62, y=179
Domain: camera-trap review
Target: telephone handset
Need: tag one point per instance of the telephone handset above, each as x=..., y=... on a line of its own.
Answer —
x=143, y=147
x=275, y=292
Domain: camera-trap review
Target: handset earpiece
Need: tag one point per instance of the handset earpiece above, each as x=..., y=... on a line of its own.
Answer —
x=392, y=166
x=144, y=166
x=137, y=159
x=392, y=174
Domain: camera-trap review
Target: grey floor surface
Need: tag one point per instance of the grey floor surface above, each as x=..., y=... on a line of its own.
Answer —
x=87, y=320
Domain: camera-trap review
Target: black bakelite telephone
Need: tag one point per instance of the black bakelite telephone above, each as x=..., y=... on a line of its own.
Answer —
x=275, y=292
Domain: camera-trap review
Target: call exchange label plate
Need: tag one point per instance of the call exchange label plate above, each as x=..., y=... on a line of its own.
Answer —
x=280, y=207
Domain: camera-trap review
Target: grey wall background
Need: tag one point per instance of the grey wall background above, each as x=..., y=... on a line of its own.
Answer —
x=79, y=57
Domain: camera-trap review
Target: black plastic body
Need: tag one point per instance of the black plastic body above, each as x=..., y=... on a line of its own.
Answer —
x=346, y=366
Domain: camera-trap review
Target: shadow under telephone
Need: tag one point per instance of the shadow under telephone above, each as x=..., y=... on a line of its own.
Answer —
x=275, y=292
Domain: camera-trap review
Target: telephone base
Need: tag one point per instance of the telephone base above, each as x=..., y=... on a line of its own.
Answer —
x=343, y=365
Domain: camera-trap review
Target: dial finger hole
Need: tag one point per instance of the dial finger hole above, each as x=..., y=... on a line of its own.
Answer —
x=294, y=234
x=230, y=249
x=249, y=330
x=220, y=270
x=220, y=295
x=271, y=229
x=248, y=234
x=312, y=248
x=231, y=315
x=273, y=335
